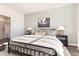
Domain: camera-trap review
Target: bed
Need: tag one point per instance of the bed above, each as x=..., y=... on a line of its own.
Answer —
x=36, y=45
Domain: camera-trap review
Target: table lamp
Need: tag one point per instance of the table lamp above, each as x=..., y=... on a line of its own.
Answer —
x=61, y=30
x=29, y=30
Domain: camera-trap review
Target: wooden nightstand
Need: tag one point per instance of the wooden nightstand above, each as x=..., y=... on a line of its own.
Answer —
x=2, y=45
x=63, y=39
x=28, y=33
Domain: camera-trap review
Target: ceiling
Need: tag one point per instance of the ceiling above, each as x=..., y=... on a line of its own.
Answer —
x=27, y=8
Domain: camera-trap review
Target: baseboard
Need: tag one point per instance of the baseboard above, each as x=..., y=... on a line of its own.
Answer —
x=72, y=44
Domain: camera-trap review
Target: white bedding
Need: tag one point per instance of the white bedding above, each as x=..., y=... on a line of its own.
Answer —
x=53, y=38
x=51, y=42
x=26, y=38
x=47, y=41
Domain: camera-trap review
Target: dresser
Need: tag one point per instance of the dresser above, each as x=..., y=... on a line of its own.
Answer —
x=63, y=39
x=2, y=45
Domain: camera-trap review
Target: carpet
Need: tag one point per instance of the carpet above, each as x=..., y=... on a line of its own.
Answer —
x=66, y=52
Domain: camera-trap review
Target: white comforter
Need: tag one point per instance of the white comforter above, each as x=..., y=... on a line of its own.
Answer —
x=52, y=42
x=27, y=38
x=47, y=41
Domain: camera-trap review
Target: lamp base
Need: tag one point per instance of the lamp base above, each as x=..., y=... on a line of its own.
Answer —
x=60, y=32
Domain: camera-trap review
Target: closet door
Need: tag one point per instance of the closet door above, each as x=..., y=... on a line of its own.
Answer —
x=4, y=27
x=7, y=30
x=1, y=30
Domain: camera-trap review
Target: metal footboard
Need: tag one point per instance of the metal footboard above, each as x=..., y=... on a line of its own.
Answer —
x=26, y=51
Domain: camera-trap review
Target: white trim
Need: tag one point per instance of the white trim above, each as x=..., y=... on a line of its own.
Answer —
x=72, y=44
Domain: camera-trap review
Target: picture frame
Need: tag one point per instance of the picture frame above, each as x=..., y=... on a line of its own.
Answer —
x=44, y=22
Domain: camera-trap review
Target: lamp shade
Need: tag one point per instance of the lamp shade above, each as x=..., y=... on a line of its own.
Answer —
x=61, y=28
x=29, y=28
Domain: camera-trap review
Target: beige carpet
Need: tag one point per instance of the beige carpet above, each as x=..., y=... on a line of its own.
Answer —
x=5, y=53
x=73, y=50
x=66, y=52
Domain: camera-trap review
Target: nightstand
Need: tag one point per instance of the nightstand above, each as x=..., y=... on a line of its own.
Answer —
x=2, y=45
x=28, y=33
x=63, y=39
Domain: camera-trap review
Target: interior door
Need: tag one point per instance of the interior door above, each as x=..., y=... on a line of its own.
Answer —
x=7, y=30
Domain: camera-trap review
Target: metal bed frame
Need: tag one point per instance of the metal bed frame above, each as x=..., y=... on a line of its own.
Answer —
x=23, y=50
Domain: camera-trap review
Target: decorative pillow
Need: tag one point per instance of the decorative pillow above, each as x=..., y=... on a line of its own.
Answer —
x=40, y=33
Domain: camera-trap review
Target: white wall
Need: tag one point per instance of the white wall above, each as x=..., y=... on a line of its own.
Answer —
x=17, y=20
x=77, y=14
x=60, y=16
